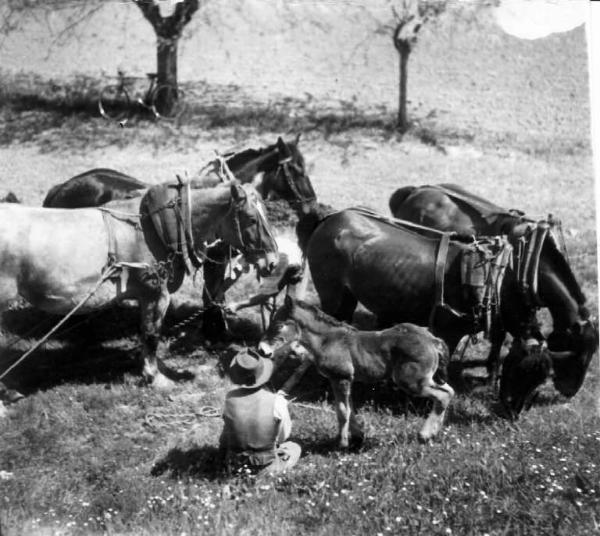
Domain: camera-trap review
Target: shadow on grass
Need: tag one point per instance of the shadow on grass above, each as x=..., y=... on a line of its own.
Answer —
x=201, y=462
x=105, y=325
x=48, y=368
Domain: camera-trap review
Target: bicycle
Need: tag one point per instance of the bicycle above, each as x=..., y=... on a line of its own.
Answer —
x=164, y=100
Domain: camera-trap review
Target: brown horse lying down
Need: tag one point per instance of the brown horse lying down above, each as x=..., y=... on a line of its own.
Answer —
x=407, y=353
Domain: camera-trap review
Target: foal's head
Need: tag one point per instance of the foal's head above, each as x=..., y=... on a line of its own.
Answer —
x=297, y=322
x=284, y=331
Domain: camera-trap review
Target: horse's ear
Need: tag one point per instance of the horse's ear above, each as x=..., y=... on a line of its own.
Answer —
x=297, y=138
x=237, y=192
x=288, y=301
x=283, y=150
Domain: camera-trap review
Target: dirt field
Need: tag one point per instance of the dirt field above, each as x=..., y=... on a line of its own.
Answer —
x=91, y=451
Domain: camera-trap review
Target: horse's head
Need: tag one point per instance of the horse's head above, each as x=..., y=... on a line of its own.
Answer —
x=574, y=338
x=246, y=228
x=572, y=350
x=525, y=368
x=287, y=178
x=284, y=331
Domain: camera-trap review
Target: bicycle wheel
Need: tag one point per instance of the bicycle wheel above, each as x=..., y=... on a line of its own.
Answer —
x=167, y=102
x=114, y=103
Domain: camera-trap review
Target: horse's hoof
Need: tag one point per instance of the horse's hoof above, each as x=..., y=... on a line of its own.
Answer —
x=424, y=438
x=343, y=444
x=10, y=396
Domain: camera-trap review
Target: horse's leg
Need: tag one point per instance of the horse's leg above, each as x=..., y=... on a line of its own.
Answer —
x=153, y=310
x=497, y=336
x=455, y=366
x=213, y=293
x=341, y=392
x=441, y=394
x=338, y=302
x=346, y=307
x=357, y=433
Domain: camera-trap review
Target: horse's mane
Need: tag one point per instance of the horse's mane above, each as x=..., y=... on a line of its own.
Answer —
x=205, y=183
x=243, y=157
x=562, y=265
x=321, y=316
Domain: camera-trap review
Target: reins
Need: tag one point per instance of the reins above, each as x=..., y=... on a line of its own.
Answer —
x=408, y=225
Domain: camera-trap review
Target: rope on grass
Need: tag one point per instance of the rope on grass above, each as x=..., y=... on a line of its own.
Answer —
x=159, y=420
x=313, y=407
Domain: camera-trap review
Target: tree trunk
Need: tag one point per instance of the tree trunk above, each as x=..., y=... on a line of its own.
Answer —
x=168, y=31
x=166, y=69
x=166, y=61
x=404, y=53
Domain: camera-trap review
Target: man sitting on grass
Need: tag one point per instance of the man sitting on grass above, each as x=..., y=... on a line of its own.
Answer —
x=257, y=420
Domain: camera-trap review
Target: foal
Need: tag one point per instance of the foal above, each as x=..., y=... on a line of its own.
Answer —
x=407, y=353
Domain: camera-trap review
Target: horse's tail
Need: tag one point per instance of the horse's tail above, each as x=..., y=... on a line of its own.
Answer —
x=399, y=196
x=309, y=222
x=441, y=374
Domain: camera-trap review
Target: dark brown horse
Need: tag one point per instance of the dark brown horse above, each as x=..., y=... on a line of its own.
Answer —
x=94, y=188
x=276, y=171
x=407, y=354
x=356, y=256
x=391, y=269
x=574, y=338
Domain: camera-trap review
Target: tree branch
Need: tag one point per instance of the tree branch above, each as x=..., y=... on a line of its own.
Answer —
x=168, y=27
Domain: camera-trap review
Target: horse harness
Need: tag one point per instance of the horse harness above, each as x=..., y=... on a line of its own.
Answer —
x=283, y=167
x=528, y=249
x=165, y=215
x=528, y=246
x=483, y=266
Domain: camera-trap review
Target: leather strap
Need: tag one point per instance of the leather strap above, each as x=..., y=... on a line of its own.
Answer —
x=532, y=275
x=184, y=218
x=440, y=271
x=112, y=241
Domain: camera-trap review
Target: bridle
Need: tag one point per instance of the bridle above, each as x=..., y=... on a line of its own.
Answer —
x=234, y=209
x=283, y=167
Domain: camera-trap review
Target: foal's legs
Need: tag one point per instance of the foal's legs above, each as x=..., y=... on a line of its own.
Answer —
x=153, y=309
x=441, y=394
x=341, y=392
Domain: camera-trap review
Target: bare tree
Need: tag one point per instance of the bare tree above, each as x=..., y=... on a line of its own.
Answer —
x=409, y=19
x=168, y=30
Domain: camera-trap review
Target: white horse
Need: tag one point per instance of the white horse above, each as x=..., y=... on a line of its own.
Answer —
x=58, y=259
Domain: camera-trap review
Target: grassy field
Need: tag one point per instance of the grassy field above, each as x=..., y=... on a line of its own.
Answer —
x=90, y=451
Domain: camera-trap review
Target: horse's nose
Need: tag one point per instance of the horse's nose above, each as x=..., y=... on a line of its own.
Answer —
x=265, y=349
x=272, y=261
